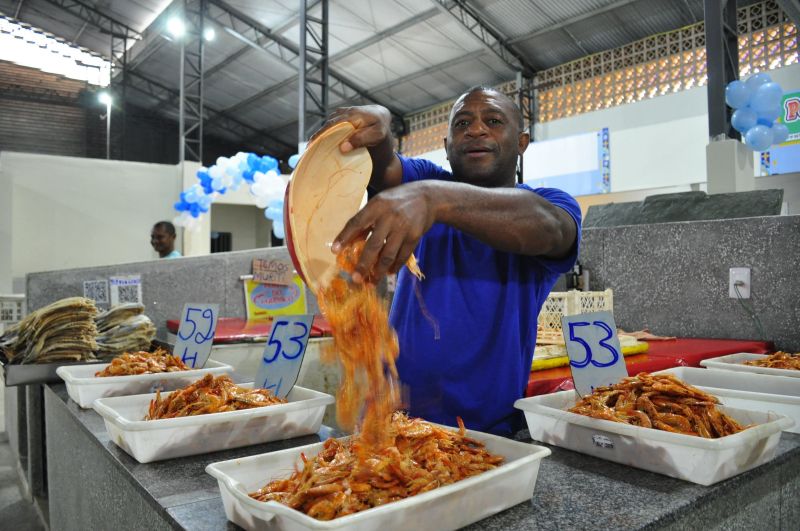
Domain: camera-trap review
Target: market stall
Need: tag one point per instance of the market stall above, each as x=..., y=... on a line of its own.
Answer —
x=572, y=490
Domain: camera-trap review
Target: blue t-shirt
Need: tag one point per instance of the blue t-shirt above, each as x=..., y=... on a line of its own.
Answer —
x=485, y=304
x=174, y=254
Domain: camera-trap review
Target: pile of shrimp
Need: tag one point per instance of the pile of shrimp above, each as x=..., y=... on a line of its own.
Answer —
x=661, y=402
x=209, y=395
x=778, y=360
x=143, y=362
x=419, y=457
x=366, y=346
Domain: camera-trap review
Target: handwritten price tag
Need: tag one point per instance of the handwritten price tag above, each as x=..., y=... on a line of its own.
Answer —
x=283, y=353
x=196, y=333
x=595, y=357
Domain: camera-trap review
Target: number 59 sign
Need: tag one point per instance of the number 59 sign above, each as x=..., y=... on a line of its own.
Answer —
x=283, y=353
x=595, y=357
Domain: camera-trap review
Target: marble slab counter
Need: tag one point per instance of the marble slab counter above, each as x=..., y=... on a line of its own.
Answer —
x=93, y=484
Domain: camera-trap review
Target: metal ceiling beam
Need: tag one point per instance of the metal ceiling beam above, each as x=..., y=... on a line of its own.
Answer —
x=491, y=38
x=233, y=125
x=97, y=18
x=313, y=96
x=272, y=89
x=18, y=9
x=569, y=22
x=262, y=37
x=190, y=110
x=792, y=10
x=722, y=64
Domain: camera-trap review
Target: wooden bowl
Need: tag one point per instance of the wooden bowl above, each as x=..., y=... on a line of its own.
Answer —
x=326, y=190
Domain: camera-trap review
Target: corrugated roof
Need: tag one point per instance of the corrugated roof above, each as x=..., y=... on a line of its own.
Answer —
x=410, y=54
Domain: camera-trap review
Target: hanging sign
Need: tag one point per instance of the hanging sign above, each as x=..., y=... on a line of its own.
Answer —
x=196, y=333
x=272, y=271
x=283, y=353
x=595, y=356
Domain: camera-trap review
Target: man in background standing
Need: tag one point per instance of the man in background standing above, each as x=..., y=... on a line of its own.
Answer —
x=162, y=238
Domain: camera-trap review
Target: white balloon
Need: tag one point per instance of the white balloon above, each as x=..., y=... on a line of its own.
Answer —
x=216, y=172
x=272, y=173
x=222, y=161
x=258, y=176
x=262, y=201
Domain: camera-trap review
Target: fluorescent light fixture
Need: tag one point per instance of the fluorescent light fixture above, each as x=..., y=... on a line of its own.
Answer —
x=105, y=98
x=209, y=34
x=176, y=27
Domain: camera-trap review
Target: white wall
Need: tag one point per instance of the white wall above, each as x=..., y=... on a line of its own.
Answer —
x=245, y=223
x=660, y=142
x=74, y=212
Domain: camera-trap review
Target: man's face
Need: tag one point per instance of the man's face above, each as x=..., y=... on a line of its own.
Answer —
x=162, y=241
x=484, y=140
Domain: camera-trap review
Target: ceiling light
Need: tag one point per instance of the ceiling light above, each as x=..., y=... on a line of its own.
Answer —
x=104, y=98
x=209, y=34
x=176, y=27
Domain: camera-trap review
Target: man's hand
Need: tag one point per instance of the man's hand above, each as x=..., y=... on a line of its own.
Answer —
x=373, y=131
x=397, y=219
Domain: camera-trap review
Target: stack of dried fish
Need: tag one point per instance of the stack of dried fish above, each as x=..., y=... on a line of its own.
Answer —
x=661, y=402
x=62, y=331
x=124, y=328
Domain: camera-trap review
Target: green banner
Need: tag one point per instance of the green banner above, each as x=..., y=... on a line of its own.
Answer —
x=791, y=116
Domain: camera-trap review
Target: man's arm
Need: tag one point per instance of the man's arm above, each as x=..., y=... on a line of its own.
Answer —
x=373, y=131
x=508, y=219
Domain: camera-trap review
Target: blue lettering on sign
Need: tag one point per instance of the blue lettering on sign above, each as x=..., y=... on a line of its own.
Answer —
x=593, y=350
x=283, y=353
x=589, y=358
x=273, y=297
x=196, y=333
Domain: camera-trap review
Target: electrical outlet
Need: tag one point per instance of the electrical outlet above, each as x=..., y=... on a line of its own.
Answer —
x=739, y=278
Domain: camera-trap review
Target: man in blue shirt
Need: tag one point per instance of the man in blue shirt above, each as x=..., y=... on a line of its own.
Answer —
x=490, y=250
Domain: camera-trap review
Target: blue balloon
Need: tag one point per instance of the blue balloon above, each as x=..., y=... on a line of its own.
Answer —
x=183, y=197
x=736, y=95
x=779, y=133
x=273, y=213
x=294, y=159
x=278, y=229
x=771, y=114
x=743, y=119
x=768, y=96
x=763, y=121
x=205, y=202
x=756, y=80
x=759, y=138
x=180, y=206
x=248, y=175
x=254, y=161
x=194, y=210
x=276, y=203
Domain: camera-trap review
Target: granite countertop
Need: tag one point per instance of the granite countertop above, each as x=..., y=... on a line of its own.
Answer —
x=573, y=491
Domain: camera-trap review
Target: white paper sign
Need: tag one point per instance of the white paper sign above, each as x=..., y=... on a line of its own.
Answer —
x=196, y=333
x=283, y=353
x=125, y=289
x=595, y=356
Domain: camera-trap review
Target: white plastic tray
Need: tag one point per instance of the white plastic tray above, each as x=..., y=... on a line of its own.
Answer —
x=695, y=459
x=777, y=394
x=84, y=387
x=448, y=507
x=155, y=440
x=733, y=362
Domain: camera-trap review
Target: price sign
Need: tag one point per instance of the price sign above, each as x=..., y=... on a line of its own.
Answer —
x=283, y=353
x=196, y=333
x=595, y=357
x=272, y=271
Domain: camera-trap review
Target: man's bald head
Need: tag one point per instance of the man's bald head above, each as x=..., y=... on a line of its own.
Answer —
x=499, y=95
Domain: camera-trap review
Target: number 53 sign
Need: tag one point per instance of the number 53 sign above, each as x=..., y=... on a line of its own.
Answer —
x=283, y=353
x=595, y=357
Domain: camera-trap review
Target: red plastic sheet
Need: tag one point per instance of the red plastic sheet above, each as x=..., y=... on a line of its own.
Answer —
x=237, y=330
x=684, y=352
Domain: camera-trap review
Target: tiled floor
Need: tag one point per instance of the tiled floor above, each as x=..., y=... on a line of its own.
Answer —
x=15, y=512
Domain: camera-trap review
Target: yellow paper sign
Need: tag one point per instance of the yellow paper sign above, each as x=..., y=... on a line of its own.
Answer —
x=266, y=300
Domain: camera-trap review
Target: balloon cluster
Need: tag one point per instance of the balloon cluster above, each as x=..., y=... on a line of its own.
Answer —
x=758, y=104
x=260, y=173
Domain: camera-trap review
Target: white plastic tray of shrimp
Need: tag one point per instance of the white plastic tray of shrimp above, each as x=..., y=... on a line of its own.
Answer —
x=84, y=387
x=735, y=362
x=449, y=507
x=688, y=457
x=156, y=440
